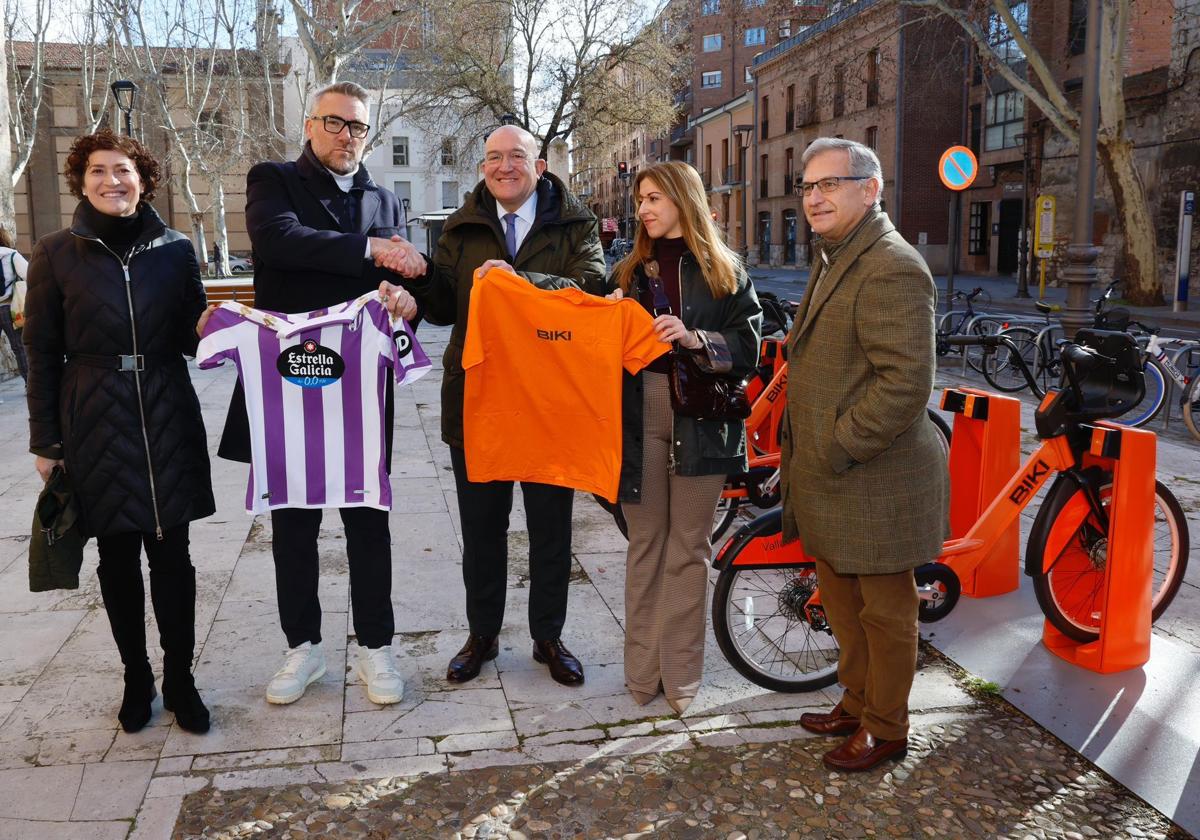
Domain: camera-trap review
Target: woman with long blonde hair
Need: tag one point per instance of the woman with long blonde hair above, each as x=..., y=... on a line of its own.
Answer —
x=673, y=467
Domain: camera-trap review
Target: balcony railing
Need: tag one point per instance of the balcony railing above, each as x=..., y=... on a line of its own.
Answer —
x=789, y=185
x=872, y=93
x=706, y=179
x=732, y=176
x=789, y=122
x=806, y=114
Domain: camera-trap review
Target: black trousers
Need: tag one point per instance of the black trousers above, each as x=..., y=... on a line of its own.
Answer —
x=172, y=592
x=484, y=508
x=369, y=553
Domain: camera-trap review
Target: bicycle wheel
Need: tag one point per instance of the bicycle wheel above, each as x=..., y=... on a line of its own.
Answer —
x=943, y=430
x=760, y=624
x=1071, y=592
x=723, y=517
x=1191, y=406
x=974, y=354
x=1156, y=394
x=1001, y=369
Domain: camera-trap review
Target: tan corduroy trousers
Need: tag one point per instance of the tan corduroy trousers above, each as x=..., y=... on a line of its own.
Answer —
x=874, y=619
x=666, y=577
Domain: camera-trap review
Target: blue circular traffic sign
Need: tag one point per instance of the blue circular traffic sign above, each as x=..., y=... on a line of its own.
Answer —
x=958, y=168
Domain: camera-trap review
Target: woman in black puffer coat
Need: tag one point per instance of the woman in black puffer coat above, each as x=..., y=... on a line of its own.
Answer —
x=114, y=303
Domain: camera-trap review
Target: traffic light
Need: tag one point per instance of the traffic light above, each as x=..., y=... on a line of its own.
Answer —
x=622, y=168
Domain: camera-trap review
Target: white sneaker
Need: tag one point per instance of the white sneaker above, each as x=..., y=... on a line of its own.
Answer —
x=377, y=670
x=305, y=664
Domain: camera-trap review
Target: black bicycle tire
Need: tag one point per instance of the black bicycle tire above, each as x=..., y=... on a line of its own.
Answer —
x=1191, y=406
x=989, y=369
x=1056, y=499
x=943, y=429
x=722, y=527
x=732, y=652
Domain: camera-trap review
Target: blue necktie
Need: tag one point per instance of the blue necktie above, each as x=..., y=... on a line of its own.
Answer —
x=510, y=234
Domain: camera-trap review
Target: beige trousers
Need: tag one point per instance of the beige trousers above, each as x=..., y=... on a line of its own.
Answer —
x=874, y=619
x=666, y=577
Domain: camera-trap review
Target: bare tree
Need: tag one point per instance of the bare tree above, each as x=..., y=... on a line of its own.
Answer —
x=8, y=213
x=1142, y=284
x=332, y=32
x=552, y=64
x=27, y=79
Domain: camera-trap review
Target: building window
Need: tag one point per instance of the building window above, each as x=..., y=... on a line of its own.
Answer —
x=978, y=235
x=1003, y=45
x=976, y=128
x=712, y=43
x=839, y=90
x=449, y=194
x=750, y=4
x=872, y=137
x=762, y=176
x=756, y=35
x=764, y=114
x=873, y=78
x=789, y=116
x=749, y=75
x=789, y=172
x=403, y=190
x=711, y=79
x=399, y=151
x=1077, y=27
x=785, y=28
x=1005, y=120
x=448, y=156
x=710, y=7
x=810, y=105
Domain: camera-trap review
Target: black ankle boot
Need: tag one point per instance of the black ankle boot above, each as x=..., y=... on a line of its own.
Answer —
x=181, y=697
x=135, y=702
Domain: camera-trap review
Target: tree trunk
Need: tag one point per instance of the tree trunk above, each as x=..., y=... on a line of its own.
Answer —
x=8, y=213
x=1143, y=286
x=198, y=238
x=220, y=234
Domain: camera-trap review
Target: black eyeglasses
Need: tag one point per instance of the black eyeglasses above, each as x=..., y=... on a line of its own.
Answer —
x=830, y=184
x=334, y=125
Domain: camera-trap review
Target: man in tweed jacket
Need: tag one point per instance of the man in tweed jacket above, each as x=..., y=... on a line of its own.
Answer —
x=865, y=484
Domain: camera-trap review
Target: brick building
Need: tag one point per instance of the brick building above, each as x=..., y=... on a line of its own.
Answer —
x=876, y=72
x=722, y=136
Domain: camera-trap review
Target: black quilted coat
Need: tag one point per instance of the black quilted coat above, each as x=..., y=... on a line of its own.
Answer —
x=134, y=443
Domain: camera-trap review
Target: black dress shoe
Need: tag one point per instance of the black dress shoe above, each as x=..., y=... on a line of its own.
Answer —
x=135, y=702
x=180, y=696
x=564, y=667
x=466, y=663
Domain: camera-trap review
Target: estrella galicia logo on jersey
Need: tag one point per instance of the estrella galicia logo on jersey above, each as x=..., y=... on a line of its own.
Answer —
x=403, y=344
x=310, y=365
x=554, y=335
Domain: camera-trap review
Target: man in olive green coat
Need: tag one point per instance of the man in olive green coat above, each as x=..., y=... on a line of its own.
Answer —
x=520, y=218
x=865, y=484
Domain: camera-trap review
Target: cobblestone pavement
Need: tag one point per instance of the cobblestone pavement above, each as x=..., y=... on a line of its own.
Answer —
x=988, y=772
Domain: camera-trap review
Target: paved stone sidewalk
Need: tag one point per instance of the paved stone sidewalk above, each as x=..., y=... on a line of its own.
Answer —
x=980, y=771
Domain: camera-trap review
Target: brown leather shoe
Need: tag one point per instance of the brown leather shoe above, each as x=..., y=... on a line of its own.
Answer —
x=564, y=667
x=863, y=751
x=466, y=663
x=833, y=722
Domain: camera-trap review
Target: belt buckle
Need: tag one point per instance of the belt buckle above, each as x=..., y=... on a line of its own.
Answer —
x=132, y=362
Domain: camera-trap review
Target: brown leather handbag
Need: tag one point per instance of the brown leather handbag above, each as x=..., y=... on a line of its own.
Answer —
x=695, y=392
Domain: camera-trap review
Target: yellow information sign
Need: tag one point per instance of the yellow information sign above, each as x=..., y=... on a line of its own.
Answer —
x=1043, y=236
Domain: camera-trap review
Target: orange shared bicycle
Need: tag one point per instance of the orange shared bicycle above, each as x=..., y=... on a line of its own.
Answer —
x=767, y=613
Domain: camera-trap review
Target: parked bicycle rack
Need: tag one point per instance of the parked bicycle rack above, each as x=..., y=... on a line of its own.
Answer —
x=985, y=453
x=1124, y=641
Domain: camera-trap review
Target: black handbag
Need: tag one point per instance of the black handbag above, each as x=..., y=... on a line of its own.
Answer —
x=695, y=392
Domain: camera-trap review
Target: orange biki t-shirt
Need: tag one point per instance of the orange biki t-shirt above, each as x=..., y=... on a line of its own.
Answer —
x=543, y=382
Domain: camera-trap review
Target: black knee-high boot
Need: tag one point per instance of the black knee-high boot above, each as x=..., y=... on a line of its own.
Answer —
x=173, y=593
x=124, y=596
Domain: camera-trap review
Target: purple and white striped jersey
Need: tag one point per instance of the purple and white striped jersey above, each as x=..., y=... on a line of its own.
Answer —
x=315, y=385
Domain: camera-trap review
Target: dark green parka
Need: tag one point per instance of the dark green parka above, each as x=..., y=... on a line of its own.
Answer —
x=731, y=328
x=562, y=249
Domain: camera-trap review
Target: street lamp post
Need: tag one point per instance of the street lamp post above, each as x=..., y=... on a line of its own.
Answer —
x=1025, y=141
x=625, y=220
x=1081, y=272
x=125, y=92
x=406, y=203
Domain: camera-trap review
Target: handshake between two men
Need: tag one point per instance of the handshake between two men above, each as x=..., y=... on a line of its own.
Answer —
x=400, y=256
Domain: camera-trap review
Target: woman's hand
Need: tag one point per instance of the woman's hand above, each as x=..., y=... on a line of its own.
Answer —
x=45, y=466
x=615, y=294
x=204, y=316
x=669, y=328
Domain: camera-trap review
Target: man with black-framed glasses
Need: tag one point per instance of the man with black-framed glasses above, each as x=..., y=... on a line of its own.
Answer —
x=317, y=225
x=865, y=483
